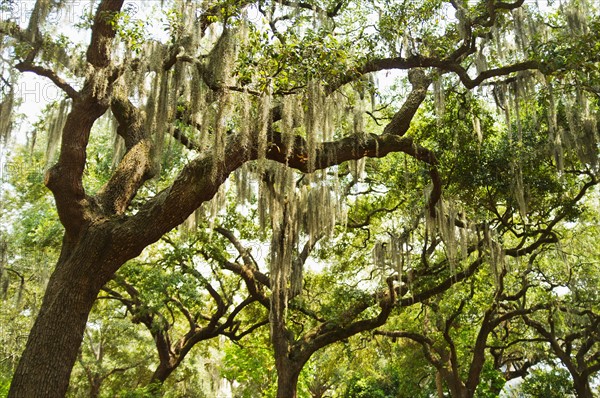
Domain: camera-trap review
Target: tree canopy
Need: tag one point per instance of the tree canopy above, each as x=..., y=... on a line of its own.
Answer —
x=270, y=190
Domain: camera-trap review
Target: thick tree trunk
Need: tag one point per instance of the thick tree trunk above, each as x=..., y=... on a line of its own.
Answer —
x=287, y=379
x=162, y=372
x=53, y=344
x=582, y=387
x=456, y=386
x=51, y=350
x=458, y=391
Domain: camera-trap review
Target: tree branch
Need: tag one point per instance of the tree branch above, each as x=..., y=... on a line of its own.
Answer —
x=136, y=166
x=64, y=179
x=50, y=74
x=103, y=32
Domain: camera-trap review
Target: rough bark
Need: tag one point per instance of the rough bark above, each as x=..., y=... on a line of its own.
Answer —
x=456, y=387
x=582, y=387
x=287, y=378
x=53, y=344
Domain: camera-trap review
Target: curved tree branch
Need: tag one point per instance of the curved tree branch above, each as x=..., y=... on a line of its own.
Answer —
x=50, y=74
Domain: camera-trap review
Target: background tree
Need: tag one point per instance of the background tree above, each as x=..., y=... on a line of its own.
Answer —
x=455, y=336
x=112, y=353
x=569, y=321
x=182, y=302
x=552, y=382
x=28, y=247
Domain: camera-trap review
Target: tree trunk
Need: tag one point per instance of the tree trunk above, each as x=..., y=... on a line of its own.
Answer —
x=53, y=344
x=582, y=387
x=287, y=378
x=162, y=372
x=95, y=385
x=456, y=386
x=459, y=391
x=439, y=384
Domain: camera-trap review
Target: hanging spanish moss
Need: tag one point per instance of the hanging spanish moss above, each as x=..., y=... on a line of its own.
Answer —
x=296, y=209
x=445, y=225
x=514, y=104
x=264, y=198
x=406, y=47
x=583, y=135
x=394, y=255
x=554, y=133
x=464, y=234
x=336, y=114
x=379, y=255
x=264, y=123
x=575, y=15
x=358, y=116
x=463, y=21
x=245, y=124
x=220, y=133
x=357, y=169
x=221, y=59
x=507, y=112
x=180, y=82
x=400, y=258
x=99, y=80
x=496, y=254
x=197, y=98
x=590, y=141
x=450, y=225
x=152, y=101
x=522, y=34
x=118, y=141
x=136, y=73
x=477, y=129
x=187, y=34
x=561, y=254
x=289, y=120
x=481, y=63
x=322, y=206
x=189, y=226
x=162, y=120
x=284, y=240
x=332, y=115
x=519, y=190
x=39, y=14
x=6, y=109
x=439, y=98
x=314, y=120
x=213, y=211
x=499, y=49
x=217, y=204
x=244, y=185
x=57, y=122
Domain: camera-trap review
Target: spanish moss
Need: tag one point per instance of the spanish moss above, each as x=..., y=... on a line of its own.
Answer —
x=55, y=128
